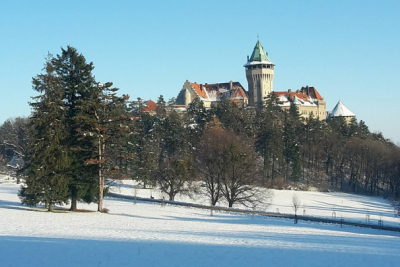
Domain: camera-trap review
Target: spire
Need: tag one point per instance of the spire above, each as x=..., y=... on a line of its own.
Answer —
x=259, y=53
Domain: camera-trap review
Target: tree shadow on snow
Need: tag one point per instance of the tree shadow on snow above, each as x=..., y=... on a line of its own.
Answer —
x=277, y=250
x=4, y=204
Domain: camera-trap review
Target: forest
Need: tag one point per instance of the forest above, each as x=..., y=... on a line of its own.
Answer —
x=81, y=134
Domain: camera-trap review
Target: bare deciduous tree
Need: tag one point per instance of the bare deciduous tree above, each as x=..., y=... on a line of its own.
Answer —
x=209, y=162
x=296, y=205
x=227, y=164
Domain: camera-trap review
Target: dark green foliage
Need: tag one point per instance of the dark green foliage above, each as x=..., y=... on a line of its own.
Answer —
x=291, y=140
x=99, y=122
x=269, y=138
x=175, y=174
x=80, y=132
x=144, y=145
x=175, y=171
x=78, y=85
x=47, y=174
x=161, y=109
x=198, y=116
x=75, y=123
x=234, y=118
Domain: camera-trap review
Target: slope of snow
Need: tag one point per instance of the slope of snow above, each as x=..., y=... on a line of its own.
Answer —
x=151, y=235
x=350, y=207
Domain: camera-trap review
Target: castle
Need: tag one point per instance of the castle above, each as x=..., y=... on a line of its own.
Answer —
x=260, y=76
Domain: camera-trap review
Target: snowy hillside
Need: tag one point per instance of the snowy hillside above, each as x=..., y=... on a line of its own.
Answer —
x=151, y=235
x=354, y=208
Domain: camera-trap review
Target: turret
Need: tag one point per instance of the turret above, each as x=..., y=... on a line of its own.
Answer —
x=188, y=98
x=260, y=75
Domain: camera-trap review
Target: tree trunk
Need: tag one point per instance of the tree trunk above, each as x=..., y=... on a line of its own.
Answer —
x=273, y=173
x=265, y=170
x=73, y=204
x=51, y=207
x=101, y=177
x=101, y=190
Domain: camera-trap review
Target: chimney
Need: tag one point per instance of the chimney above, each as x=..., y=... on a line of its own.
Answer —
x=230, y=85
x=248, y=59
x=201, y=87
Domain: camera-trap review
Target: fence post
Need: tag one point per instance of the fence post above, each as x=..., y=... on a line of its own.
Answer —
x=380, y=223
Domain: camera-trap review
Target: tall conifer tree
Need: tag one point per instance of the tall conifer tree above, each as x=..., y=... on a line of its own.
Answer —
x=99, y=124
x=47, y=174
x=78, y=84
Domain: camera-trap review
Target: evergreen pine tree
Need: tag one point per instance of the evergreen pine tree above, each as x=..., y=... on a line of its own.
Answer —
x=143, y=144
x=100, y=126
x=269, y=138
x=79, y=85
x=291, y=152
x=175, y=168
x=47, y=174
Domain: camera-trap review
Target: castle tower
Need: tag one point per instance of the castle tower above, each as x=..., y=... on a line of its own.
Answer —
x=260, y=75
x=340, y=110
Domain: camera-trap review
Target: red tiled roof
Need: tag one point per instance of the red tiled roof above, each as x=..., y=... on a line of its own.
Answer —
x=149, y=106
x=201, y=92
x=312, y=92
x=299, y=95
x=239, y=93
x=236, y=91
x=316, y=94
x=304, y=93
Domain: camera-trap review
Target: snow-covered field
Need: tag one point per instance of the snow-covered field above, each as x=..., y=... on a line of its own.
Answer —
x=354, y=208
x=150, y=235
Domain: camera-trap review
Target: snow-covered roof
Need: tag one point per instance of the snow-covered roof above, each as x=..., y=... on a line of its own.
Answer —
x=258, y=63
x=340, y=110
x=306, y=96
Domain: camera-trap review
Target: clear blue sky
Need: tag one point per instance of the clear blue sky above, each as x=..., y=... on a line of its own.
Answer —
x=348, y=50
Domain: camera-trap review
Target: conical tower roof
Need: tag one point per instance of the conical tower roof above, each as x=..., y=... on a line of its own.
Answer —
x=341, y=110
x=258, y=56
x=259, y=53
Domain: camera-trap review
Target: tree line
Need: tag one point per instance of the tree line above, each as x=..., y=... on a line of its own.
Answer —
x=80, y=133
